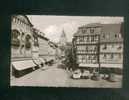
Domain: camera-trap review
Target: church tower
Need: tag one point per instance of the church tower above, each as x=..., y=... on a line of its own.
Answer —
x=63, y=39
x=62, y=43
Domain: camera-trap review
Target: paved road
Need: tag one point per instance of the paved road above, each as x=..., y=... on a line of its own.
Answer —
x=57, y=77
x=50, y=76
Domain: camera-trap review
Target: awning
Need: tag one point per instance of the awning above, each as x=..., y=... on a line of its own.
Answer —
x=21, y=65
x=102, y=65
x=112, y=66
x=88, y=65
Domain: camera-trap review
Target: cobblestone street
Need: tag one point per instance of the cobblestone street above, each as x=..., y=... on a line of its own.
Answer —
x=52, y=76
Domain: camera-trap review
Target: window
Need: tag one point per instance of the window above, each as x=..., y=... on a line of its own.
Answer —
x=119, y=35
x=89, y=57
x=81, y=39
x=120, y=56
x=104, y=56
x=107, y=36
x=96, y=38
x=15, y=38
x=112, y=45
x=112, y=56
x=83, y=31
x=119, y=47
x=104, y=47
x=103, y=36
x=88, y=39
x=85, y=39
x=95, y=48
x=92, y=30
x=92, y=38
x=115, y=35
x=77, y=39
x=86, y=48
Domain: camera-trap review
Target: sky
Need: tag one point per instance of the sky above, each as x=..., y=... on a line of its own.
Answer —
x=52, y=26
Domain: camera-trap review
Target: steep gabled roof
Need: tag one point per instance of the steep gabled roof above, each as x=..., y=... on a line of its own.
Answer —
x=116, y=28
x=106, y=28
x=111, y=33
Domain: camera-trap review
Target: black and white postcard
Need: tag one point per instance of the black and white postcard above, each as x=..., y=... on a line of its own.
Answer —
x=66, y=51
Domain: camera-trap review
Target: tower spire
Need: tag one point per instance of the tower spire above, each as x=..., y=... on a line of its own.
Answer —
x=63, y=38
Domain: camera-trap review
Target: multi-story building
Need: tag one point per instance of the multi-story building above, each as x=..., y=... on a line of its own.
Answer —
x=47, y=49
x=22, y=45
x=86, y=42
x=111, y=46
x=27, y=45
x=21, y=37
x=99, y=45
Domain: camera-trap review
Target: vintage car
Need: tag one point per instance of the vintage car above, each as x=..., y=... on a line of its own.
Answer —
x=85, y=74
x=96, y=76
x=76, y=74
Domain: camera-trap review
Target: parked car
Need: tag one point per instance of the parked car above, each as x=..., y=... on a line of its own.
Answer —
x=96, y=76
x=112, y=77
x=76, y=74
x=85, y=74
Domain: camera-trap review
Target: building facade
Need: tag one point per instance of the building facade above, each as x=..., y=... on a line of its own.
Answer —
x=22, y=40
x=27, y=45
x=86, y=42
x=111, y=46
x=99, y=45
x=47, y=49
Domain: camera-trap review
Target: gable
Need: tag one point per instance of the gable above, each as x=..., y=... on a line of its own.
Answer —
x=24, y=18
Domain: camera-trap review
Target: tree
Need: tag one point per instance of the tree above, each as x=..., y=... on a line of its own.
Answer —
x=70, y=58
